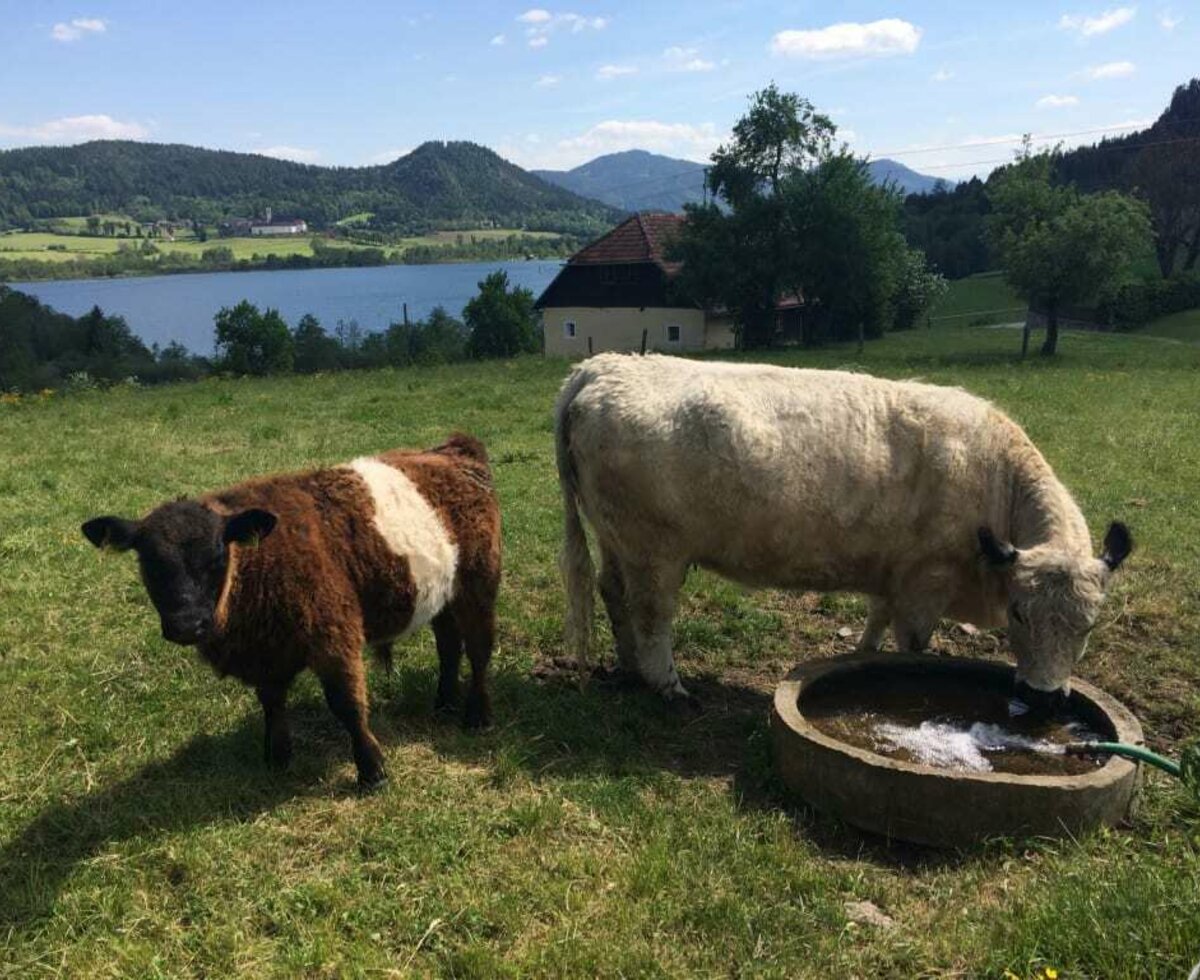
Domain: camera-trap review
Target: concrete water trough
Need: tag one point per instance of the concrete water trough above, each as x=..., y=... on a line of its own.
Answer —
x=900, y=796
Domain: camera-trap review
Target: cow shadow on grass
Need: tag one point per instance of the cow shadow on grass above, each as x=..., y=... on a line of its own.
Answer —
x=549, y=727
x=546, y=727
x=211, y=779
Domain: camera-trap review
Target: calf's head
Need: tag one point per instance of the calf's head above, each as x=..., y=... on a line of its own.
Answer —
x=1054, y=601
x=183, y=552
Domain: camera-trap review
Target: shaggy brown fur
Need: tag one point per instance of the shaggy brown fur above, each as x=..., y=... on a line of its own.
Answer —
x=324, y=583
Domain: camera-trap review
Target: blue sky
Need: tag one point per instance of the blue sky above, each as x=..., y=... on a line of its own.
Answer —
x=362, y=82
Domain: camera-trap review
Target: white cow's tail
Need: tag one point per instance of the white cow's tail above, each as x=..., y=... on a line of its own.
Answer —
x=576, y=561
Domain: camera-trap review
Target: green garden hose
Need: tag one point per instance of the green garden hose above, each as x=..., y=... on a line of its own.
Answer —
x=1128, y=752
x=1187, y=769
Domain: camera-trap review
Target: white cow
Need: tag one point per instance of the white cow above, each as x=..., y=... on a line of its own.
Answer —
x=929, y=500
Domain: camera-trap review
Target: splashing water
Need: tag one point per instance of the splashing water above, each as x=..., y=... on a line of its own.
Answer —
x=947, y=745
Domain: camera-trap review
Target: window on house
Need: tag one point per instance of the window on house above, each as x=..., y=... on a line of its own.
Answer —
x=672, y=334
x=568, y=329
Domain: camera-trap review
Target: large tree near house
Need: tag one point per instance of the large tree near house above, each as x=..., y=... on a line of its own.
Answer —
x=793, y=216
x=1059, y=247
x=741, y=252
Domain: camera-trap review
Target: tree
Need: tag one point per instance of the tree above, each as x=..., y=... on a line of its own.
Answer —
x=1059, y=247
x=797, y=218
x=502, y=322
x=250, y=342
x=848, y=251
x=917, y=288
x=1167, y=177
x=314, y=350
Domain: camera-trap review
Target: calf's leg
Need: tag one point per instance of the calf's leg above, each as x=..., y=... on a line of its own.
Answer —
x=477, y=623
x=344, y=682
x=278, y=741
x=449, y=648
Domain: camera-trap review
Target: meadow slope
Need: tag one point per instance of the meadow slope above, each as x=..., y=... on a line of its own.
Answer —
x=589, y=832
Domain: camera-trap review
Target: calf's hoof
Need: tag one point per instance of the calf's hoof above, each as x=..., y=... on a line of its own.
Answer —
x=279, y=754
x=372, y=782
x=478, y=716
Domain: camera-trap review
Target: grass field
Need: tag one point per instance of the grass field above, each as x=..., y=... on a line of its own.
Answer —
x=983, y=298
x=589, y=833
x=37, y=244
x=1184, y=326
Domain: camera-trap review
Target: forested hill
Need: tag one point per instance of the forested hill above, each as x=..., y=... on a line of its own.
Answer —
x=1115, y=162
x=455, y=183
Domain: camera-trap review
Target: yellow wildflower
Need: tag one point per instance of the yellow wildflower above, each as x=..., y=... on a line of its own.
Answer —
x=1051, y=973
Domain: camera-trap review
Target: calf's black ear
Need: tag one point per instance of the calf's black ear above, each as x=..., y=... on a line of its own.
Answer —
x=997, y=552
x=249, y=525
x=110, y=532
x=1118, y=543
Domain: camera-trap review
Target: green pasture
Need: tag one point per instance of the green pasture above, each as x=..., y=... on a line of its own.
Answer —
x=590, y=832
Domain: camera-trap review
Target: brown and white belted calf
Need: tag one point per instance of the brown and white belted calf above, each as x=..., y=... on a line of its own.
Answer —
x=301, y=570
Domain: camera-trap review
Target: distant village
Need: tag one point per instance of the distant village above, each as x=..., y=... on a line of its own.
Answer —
x=268, y=225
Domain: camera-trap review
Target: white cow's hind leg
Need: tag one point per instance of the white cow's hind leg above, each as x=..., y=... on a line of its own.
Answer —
x=612, y=591
x=879, y=614
x=650, y=594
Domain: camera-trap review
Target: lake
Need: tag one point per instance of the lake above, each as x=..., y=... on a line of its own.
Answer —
x=160, y=309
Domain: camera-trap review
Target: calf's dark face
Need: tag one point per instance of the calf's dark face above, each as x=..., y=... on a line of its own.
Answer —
x=183, y=552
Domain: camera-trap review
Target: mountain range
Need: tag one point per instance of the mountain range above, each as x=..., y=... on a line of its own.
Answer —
x=456, y=184
x=635, y=180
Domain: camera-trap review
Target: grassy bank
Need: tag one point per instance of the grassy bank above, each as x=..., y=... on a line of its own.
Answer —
x=590, y=832
x=50, y=255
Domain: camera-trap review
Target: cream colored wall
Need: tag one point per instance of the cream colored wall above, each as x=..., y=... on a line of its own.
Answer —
x=718, y=333
x=620, y=329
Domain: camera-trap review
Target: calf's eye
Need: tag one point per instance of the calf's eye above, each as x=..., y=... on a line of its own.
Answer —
x=1016, y=614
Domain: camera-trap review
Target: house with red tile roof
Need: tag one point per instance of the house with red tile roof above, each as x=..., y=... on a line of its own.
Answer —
x=620, y=293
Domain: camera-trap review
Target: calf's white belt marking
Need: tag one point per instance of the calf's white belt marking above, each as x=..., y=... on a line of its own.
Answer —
x=412, y=530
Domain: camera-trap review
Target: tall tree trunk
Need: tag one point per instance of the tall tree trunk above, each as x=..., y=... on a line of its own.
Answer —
x=1164, y=251
x=1051, y=345
x=1025, y=331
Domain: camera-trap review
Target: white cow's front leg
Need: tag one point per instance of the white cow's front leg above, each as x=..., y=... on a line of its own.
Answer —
x=879, y=615
x=913, y=628
x=650, y=594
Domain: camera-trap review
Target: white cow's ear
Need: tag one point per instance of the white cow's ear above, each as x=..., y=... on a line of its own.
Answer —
x=1118, y=543
x=998, y=553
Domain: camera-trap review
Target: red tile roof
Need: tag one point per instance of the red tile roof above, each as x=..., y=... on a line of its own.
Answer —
x=641, y=238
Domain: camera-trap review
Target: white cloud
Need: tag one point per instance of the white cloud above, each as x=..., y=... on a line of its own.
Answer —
x=879, y=38
x=548, y=81
x=1101, y=24
x=686, y=59
x=75, y=129
x=297, y=154
x=1056, y=102
x=1113, y=69
x=498, y=40
x=605, y=72
x=541, y=24
x=77, y=28
x=1168, y=21
x=941, y=75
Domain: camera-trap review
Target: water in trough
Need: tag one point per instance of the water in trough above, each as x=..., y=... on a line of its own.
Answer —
x=938, y=720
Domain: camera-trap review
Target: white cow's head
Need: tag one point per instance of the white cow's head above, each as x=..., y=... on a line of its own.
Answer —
x=1054, y=600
